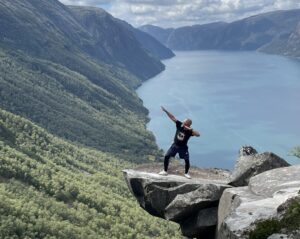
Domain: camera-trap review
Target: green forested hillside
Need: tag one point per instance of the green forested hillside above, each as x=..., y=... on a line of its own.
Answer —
x=52, y=189
x=70, y=121
x=69, y=81
x=49, y=30
x=70, y=105
x=122, y=36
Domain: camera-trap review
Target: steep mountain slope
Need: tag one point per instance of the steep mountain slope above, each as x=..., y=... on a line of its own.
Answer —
x=268, y=32
x=53, y=73
x=196, y=37
x=152, y=45
x=69, y=105
x=257, y=31
x=50, y=188
x=293, y=46
x=287, y=46
x=115, y=40
x=158, y=33
x=48, y=30
x=109, y=32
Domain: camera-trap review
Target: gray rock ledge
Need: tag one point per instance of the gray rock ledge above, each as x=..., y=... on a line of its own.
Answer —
x=190, y=202
x=242, y=207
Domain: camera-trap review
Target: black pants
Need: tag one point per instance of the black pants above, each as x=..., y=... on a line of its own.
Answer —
x=183, y=154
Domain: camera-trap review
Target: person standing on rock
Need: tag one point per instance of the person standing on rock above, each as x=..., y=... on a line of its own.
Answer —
x=182, y=135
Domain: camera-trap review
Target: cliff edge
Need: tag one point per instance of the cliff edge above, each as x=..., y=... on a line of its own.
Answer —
x=216, y=203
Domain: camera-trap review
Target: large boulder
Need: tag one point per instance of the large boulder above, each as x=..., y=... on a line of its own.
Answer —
x=275, y=180
x=206, y=195
x=190, y=202
x=241, y=208
x=250, y=163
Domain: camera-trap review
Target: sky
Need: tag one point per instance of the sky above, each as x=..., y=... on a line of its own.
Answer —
x=177, y=13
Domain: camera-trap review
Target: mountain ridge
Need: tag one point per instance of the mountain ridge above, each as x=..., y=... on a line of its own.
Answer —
x=268, y=32
x=57, y=35
x=69, y=81
x=153, y=46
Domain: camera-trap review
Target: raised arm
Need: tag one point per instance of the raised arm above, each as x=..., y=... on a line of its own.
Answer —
x=171, y=116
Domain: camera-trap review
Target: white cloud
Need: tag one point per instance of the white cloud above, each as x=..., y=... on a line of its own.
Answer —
x=86, y=2
x=174, y=13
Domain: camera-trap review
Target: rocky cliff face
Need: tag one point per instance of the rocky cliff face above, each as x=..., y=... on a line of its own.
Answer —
x=209, y=206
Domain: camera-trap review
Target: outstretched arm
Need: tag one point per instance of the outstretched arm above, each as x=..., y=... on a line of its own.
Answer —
x=171, y=116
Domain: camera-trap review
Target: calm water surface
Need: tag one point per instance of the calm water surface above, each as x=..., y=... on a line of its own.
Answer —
x=234, y=99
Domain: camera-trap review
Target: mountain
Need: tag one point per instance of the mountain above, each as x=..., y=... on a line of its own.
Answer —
x=293, y=44
x=267, y=32
x=70, y=121
x=49, y=30
x=118, y=39
x=159, y=33
x=287, y=46
x=152, y=45
x=196, y=37
x=76, y=82
x=257, y=31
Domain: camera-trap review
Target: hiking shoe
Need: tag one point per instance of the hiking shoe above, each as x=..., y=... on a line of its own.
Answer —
x=187, y=176
x=163, y=173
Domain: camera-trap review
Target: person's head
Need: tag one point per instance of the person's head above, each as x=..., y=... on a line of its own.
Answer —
x=187, y=122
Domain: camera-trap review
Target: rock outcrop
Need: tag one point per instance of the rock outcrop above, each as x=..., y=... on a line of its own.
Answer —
x=242, y=207
x=208, y=206
x=190, y=202
x=250, y=163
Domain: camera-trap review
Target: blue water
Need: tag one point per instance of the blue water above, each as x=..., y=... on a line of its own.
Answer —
x=233, y=98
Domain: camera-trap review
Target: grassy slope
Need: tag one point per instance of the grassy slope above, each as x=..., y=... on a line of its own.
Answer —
x=50, y=187
x=60, y=168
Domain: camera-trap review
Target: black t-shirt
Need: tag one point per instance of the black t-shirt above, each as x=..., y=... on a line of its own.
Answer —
x=182, y=135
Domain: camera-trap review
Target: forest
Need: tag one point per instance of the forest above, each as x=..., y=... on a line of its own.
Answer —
x=50, y=188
